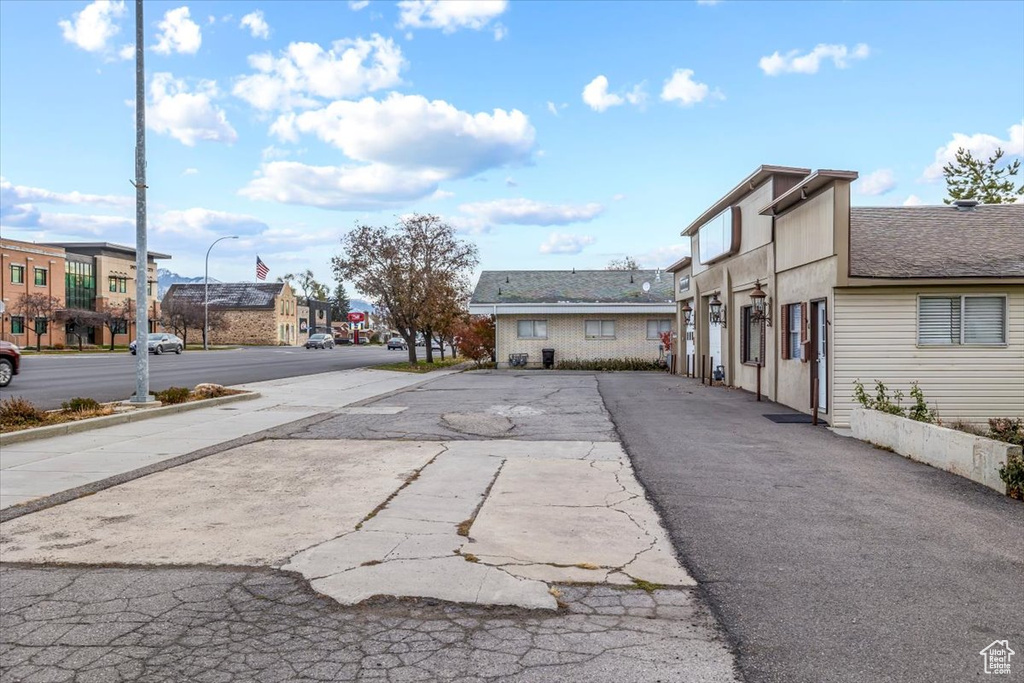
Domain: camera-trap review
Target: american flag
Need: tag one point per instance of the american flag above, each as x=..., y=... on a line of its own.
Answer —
x=261, y=269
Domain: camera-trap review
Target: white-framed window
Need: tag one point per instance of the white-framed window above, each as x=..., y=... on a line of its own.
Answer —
x=532, y=329
x=956, y=320
x=793, y=333
x=599, y=329
x=656, y=327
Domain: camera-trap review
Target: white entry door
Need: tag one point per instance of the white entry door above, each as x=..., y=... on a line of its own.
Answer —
x=689, y=340
x=715, y=347
x=821, y=344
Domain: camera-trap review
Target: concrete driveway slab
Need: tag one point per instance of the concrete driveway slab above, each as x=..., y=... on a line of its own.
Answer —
x=254, y=505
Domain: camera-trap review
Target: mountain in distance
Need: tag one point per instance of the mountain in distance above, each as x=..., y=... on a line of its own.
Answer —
x=165, y=278
x=360, y=305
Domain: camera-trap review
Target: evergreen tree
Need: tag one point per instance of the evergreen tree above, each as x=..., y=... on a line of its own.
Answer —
x=340, y=305
x=982, y=180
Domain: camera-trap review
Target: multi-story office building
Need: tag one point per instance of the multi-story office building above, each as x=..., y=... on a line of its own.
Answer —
x=27, y=269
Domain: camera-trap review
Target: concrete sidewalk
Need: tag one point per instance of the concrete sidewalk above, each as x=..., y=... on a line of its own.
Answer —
x=40, y=468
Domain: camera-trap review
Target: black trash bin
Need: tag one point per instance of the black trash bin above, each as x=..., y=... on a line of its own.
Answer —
x=549, y=358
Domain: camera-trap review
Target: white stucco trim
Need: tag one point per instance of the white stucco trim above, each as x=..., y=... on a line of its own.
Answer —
x=579, y=308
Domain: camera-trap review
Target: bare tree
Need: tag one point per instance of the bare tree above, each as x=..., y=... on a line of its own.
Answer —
x=181, y=315
x=78, y=320
x=307, y=284
x=37, y=310
x=116, y=317
x=624, y=263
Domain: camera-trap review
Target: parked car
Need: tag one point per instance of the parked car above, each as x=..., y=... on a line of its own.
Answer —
x=10, y=362
x=397, y=343
x=342, y=340
x=320, y=341
x=159, y=342
x=435, y=345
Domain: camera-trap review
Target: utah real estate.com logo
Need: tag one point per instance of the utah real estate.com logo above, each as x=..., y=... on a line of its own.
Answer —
x=997, y=657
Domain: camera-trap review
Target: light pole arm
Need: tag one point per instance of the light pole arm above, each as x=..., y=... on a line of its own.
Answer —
x=206, y=292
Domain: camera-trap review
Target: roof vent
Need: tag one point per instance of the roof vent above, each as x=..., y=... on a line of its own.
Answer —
x=966, y=204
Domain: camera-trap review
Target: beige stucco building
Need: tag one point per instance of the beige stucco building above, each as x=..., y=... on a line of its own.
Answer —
x=581, y=314
x=260, y=313
x=933, y=295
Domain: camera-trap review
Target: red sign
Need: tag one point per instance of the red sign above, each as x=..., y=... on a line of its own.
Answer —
x=356, y=317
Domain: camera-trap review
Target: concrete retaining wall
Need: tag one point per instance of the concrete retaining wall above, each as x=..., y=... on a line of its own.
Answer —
x=974, y=457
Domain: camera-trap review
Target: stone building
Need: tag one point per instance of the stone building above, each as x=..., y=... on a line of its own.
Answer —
x=254, y=313
x=581, y=314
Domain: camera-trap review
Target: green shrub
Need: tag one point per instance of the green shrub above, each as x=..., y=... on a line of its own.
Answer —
x=609, y=364
x=80, y=405
x=920, y=410
x=58, y=347
x=1007, y=429
x=17, y=411
x=173, y=395
x=1013, y=475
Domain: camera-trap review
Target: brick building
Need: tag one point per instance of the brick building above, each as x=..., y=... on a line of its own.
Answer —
x=581, y=314
x=27, y=268
x=254, y=313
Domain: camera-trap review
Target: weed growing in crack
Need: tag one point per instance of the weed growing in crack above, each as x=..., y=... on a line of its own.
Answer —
x=370, y=563
x=646, y=586
x=463, y=528
x=587, y=565
x=470, y=557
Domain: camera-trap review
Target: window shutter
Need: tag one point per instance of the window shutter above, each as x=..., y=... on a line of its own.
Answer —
x=784, y=342
x=984, y=320
x=938, y=320
x=744, y=333
x=805, y=309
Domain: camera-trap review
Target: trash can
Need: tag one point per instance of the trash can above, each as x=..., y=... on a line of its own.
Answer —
x=549, y=358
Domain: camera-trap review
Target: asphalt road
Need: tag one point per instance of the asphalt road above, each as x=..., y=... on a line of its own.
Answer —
x=824, y=558
x=50, y=379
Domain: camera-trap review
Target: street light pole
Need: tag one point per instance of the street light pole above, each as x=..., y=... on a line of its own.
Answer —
x=206, y=293
x=141, y=250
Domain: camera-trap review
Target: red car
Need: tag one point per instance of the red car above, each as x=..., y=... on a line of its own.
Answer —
x=10, y=362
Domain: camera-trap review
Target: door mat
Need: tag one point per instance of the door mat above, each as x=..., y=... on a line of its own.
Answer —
x=790, y=419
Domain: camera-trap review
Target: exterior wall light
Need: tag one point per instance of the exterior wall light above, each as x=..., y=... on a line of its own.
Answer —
x=687, y=312
x=717, y=311
x=761, y=312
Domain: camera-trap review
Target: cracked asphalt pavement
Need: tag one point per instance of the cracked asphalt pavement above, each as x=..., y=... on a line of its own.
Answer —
x=401, y=539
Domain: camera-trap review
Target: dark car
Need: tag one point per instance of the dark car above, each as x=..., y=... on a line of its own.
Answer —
x=10, y=362
x=320, y=341
x=397, y=343
x=159, y=342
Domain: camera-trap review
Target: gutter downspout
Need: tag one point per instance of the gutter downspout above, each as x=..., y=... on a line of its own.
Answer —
x=495, y=315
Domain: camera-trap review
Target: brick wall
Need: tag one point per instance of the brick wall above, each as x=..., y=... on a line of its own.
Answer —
x=566, y=336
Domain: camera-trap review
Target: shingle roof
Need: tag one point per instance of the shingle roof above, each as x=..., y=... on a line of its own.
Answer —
x=564, y=286
x=228, y=294
x=937, y=241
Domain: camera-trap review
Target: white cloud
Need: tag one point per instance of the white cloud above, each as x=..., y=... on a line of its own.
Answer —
x=500, y=31
x=449, y=15
x=794, y=62
x=709, y=3
x=556, y=108
x=187, y=116
x=681, y=88
x=82, y=224
x=912, y=200
x=356, y=5
x=256, y=24
x=878, y=183
x=178, y=33
x=662, y=257
x=126, y=52
x=412, y=132
x=563, y=243
x=980, y=145
x=618, y=197
x=190, y=171
x=597, y=97
x=11, y=194
x=370, y=187
x=305, y=71
x=529, y=212
x=198, y=223
x=91, y=28
x=511, y=182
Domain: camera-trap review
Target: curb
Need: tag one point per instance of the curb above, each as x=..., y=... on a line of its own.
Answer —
x=121, y=418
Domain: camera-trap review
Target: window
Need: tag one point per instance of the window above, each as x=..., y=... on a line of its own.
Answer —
x=532, y=329
x=17, y=275
x=41, y=276
x=149, y=288
x=119, y=327
x=41, y=325
x=796, y=320
x=656, y=327
x=599, y=329
x=118, y=284
x=17, y=324
x=750, y=339
x=955, y=320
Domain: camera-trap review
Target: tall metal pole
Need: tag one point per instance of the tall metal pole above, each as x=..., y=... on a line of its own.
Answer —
x=141, y=250
x=206, y=292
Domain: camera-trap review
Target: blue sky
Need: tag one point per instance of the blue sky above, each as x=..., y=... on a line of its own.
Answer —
x=554, y=135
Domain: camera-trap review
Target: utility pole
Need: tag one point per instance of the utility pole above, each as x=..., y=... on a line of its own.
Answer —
x=141, y=250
